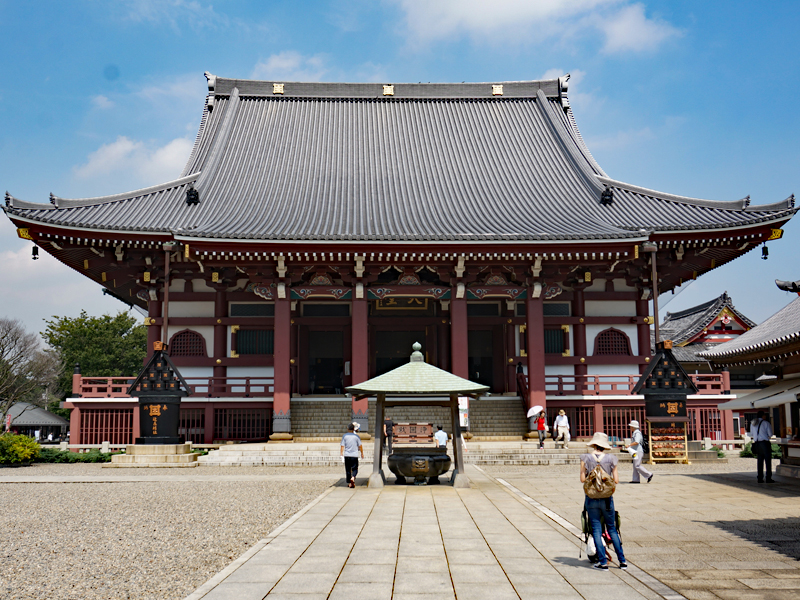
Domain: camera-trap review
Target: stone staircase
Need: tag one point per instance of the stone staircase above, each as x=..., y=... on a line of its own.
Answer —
x=325, y=420
x=327, y=454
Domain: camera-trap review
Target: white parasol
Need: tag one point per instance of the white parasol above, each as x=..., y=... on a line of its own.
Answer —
x=535, y=411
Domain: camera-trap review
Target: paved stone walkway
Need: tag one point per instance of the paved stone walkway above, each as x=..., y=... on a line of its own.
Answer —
x=415, y=543
x=707, y=536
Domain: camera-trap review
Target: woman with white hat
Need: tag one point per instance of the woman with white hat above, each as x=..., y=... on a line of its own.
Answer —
x=597, y=508
x=637, y=450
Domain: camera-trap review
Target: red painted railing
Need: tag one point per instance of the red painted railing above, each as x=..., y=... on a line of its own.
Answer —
x=604, y=385
x=589, y=385
x=210, y=387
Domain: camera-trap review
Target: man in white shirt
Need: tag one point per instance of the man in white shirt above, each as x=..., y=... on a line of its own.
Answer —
x=561, y=426
x=761, y=432
x=440, y=438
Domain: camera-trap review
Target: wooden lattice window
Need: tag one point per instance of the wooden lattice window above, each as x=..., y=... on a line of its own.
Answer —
x=612, y=341
x=187, y=343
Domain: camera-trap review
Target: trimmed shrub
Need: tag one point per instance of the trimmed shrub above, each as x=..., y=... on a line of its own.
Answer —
x=747, y=451
x=18, y=449
x=51, y=455
x=720, y=453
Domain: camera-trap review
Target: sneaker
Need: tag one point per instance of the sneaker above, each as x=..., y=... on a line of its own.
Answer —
x=600, y=567
x=635, y=482
x=649, y=478
x=623, y=566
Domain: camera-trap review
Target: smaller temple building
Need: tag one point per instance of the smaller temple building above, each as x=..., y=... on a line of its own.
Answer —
x=704, y=327
x=775, y=346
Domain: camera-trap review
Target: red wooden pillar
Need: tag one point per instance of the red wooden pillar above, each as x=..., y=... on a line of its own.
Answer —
x=282, y=394
x=359, y=367
x=75, y=425
x=534, y=338
x=137, y=423
x=579, y=338
x=220, y=339
x=726, y=416
x=208, y=423
x=598, y=416
x=153, y=331
x=459, y=337
x=643, y=331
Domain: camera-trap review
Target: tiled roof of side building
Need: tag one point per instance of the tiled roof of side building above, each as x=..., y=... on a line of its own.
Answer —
x=682, y=326
x=344, y=162
x=781, y=329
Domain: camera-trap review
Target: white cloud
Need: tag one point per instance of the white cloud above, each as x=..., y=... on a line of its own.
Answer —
x=290, y=65
x=528, y=21
x=631, y=31
x=136, y=161
x=27, y=293
x=174, y=13
x=620, y=139
x=183, y=88
x=102, y=102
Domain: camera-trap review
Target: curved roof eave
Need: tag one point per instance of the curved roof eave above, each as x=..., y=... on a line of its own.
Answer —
x=743, y=204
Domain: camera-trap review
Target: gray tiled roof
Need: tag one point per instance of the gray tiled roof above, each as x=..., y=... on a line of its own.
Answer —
x=781, y=329
x=684, y=325
x=328, y=161
x=417, y=377
x=25, y=414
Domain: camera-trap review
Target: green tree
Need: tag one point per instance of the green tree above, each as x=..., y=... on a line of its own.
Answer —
x=27, y=373
x=103, y=346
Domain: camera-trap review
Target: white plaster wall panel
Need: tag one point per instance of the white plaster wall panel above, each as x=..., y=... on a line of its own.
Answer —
x=598, y=285
x=630, y=330
x=206, y=331
x=196, y=371
x=559, y=370
x=610, y=308
x=200, y=285
x=191, y=309
x=176, y=285
x=620, y=285
x=613, y=370
x=251, y=371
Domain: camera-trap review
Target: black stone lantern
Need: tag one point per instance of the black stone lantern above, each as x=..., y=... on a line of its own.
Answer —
x=665, y=386
x=159, y=388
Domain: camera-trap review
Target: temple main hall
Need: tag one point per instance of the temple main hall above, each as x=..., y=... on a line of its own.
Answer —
x=319, y=230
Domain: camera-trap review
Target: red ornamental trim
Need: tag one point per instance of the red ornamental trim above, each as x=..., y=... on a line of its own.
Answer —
x=306, y=293
x=409, y=280
x=437, y=292
x=552, y=290
x=506, y=293
x=262, y=291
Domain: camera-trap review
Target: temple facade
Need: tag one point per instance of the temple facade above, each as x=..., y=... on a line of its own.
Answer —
x=318, y=230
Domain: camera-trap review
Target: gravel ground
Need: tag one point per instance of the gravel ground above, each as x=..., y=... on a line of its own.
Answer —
x=79, y=469
x=148, y=540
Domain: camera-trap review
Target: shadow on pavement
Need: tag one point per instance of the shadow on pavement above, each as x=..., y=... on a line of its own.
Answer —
x=781, y=535
x=784, y=487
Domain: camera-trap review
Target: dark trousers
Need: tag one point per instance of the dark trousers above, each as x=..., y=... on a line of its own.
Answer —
x=763, y=452
x=387, y=444
x=350, y=467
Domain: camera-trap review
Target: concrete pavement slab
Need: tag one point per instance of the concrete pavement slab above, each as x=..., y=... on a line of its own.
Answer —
x=488, y=541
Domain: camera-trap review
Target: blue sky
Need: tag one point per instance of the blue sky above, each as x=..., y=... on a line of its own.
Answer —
x=692, y=98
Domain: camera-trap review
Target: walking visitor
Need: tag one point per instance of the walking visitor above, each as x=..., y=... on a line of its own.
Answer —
x=601, y=510
x=636, y=449
x=561, y=427
x=388, y=431
x=541, y=428
x=761, y=432
x=349, y=451
x=440, y=438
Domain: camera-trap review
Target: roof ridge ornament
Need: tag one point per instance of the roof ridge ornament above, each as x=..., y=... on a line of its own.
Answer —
x=607, y=196
x=8, y=198
x=416, y=355
x=53, y=199
x=563, y=86
x=212, y=85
